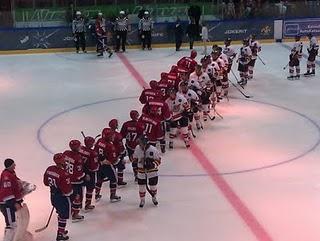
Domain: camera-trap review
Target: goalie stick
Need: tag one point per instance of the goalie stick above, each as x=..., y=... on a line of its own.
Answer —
x=47, y=224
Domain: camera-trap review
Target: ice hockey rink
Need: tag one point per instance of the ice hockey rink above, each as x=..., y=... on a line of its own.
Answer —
x=253, y=175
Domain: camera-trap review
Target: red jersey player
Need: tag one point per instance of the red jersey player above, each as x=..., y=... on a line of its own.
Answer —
x=188, y=62
x=152, y=126
x=59, y=182
x=107, y=157
x=10, y=197
x=164, y=85
x=121, y=152
x=131, y=130
x=91, y=167
x=151, y=93
x=100, y=27
x=74, y=166
x=163, y=113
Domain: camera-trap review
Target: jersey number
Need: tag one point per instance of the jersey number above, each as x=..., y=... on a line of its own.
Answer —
x=52, y=182
x=131, y=136
x=69, y=168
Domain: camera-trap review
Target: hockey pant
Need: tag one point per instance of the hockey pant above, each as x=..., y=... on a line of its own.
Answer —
x=80, y=39
x=152, y=182
x=294, y=64
x=107, y=171
x=243, y=72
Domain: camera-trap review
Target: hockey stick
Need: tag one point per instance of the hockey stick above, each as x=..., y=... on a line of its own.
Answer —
x=261, y=60
x=211, y=117
x=191, y=130
x=236, y=78
x=47, y=224
x=286, y=66
x=105, y=48
x=218, y=114
x=245, y=95
x=145, y=172
x=84, y=136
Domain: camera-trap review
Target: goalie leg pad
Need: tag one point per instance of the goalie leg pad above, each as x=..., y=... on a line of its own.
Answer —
x=23, y=218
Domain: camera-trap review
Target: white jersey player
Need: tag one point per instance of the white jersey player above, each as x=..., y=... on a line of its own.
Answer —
x=295, y=56
x=148, y=159
x=200, y=76
x=229, y=51
x=194, y=103
x=313, y=52
x=179, y=108
x=255, y=49
x=244, y=59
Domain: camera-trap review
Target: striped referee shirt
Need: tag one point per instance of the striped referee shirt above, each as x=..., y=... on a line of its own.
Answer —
x=145, y=24
x=121, y=24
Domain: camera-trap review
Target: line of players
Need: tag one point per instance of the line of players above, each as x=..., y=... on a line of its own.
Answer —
x=173, y=104
x=296, y=55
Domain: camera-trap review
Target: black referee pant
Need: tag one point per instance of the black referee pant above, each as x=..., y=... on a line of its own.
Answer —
x=146, y=39
x=121, y=40
x=80, y=39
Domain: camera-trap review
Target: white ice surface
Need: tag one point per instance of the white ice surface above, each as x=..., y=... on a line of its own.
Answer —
x=285, y=199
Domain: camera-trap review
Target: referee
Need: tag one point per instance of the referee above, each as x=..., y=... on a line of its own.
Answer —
x=79, y=31
x=121, y=28
x=145, y=29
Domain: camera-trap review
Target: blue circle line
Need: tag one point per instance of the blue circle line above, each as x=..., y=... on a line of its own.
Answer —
x=312, y=148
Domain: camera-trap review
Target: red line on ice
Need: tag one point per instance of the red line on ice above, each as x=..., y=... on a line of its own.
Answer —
x=227, y=191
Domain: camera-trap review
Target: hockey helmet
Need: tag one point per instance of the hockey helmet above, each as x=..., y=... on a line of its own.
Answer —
x=153, y=84
x=8, y=163
x=74, y=145
x=58, y=158
x=122, y=12
x=174, y=68
x=134, y=114
x=245, y=41
x=146, y=13
x=227, y=41
x=163, y=75
x=78, y=13
x=89, y=141
x=297, y=37
x=193, y=54
x=107, y=134
x=172, y=93
x=113, y=124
